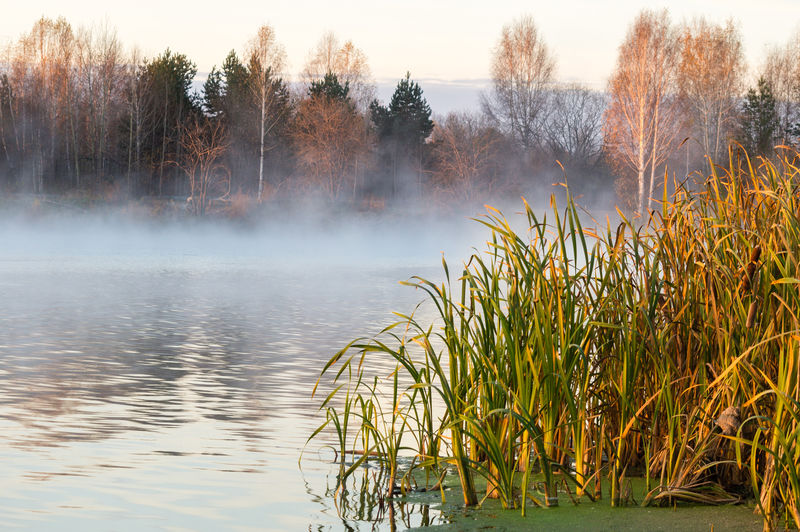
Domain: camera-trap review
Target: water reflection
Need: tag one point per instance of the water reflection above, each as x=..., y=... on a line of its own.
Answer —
x=363, y=500
x=175, y=393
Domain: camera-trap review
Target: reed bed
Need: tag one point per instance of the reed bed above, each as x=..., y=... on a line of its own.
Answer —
x=570, y=357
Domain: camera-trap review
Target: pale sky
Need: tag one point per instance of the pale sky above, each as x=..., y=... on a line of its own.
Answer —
x=444, y=40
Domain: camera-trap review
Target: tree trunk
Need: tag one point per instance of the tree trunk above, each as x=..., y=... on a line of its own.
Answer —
x=653, y=152
x=261, y=159
x=2, y=129
x=163, y=140
x=640, y=176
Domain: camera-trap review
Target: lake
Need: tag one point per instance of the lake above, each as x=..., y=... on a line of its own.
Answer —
x=161, y=378
x=158, y=377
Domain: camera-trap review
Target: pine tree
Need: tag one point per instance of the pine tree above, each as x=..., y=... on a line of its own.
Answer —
x=228, y=96
x=171, y=105
x=214, y=93
x=330, y=87
x=235, y=72
x=402, y=128
x=408, y=117
x=330, y=138
x=759, y=121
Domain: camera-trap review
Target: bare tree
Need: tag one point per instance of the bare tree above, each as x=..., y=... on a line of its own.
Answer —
x=710, y=80
x=267, y=60
x=781, y=70
x=574, y=125
x=43, y=60
x=136, y=90
x=640, y=120
x=522, y=68
x=204, y=142
x=322, y=59
x=5, y=107
x=61, y=87
x=347, y=62
x=15, y=83
x=100, y=55
x=35, y=104
x=467, y=155
x=331, y=139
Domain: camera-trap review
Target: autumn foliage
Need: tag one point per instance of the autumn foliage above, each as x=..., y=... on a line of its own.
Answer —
x=81, y=112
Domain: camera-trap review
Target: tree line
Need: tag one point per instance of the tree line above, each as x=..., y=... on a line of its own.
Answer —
x=678, y=100
x=80, y=112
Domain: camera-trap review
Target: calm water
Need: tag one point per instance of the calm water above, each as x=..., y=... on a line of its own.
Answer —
x=150, y=386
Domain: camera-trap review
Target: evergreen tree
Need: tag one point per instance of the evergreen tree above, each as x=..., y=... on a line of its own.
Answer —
x=408, y=117
x=381, y=118
x=402, y=128
x=213, y=93
x=225, y=91
x=238, y=105
x=168, y=79
x=229, y=97
x=759, y=120
x=330, y=87
x=235, y=72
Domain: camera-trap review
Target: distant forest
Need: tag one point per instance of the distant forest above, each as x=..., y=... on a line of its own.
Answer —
x=82, y=114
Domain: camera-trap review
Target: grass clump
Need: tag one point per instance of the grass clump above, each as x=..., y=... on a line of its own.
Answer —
x=667, y=348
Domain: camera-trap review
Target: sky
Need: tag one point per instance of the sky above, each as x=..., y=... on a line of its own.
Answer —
x=445, y=44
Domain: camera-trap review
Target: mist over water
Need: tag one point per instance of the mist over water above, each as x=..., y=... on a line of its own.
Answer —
x=306, y=241
x=158, y=375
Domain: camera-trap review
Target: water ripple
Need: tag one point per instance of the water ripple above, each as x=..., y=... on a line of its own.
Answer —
x=139, y=397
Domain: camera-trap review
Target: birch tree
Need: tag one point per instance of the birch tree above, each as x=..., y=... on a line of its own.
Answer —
x=47, y=51
x=267, y=60
x=37, y=103
x=522, y=68
x=711, y=68
x=641, y=118
x=136, y=91
x=100, y=56
x=347, y=62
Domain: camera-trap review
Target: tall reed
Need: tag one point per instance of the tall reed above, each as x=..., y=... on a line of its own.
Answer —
x=667, y=347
